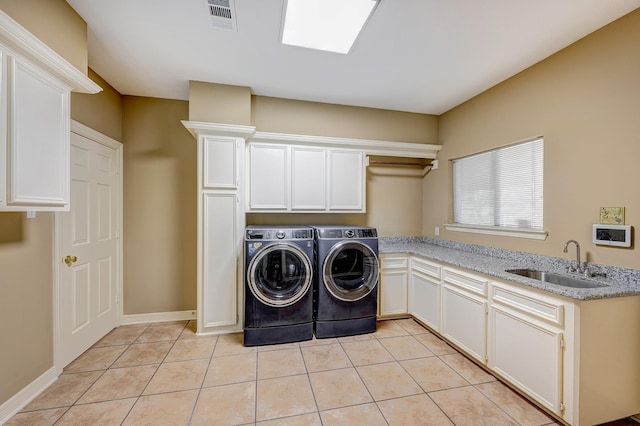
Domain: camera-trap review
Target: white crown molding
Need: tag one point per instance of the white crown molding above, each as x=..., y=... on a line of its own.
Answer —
x=17, y=39
x=369, y=147
x=198, y=128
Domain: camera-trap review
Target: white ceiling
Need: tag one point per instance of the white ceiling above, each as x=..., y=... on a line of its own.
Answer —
x=424, y=56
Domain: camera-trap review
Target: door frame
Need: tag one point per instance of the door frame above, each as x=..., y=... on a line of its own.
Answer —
x=89, y=133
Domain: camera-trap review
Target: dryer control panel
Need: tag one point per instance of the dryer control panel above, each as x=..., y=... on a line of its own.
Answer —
x=346, y=233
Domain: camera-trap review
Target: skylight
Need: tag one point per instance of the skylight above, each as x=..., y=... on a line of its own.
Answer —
x=330, y=25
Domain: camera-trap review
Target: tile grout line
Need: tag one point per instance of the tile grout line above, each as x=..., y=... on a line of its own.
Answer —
x=195, y=403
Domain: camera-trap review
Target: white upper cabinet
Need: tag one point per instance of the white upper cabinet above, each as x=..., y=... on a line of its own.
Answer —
x=35, y=86
x=305, y=179
x=346, y=176
x=220, y=163
x=308, y=178
x=268, y=177
x=38, y=137
x=314, y=174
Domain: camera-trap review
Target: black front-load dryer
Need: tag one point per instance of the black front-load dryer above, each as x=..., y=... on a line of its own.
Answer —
x=346, y=290
x=279, y=270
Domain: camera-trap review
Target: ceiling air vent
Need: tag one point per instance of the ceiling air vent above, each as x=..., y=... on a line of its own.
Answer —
x=222, y=13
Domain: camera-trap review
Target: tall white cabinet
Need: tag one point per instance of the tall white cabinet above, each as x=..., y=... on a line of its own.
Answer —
x=220, y=225
x=35, y=86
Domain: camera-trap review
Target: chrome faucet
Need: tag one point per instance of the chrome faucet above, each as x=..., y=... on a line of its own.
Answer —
x=578, y=268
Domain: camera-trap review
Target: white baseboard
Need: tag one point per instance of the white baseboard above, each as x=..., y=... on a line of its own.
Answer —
x=27, y=394
x=157, y=317
x=636, y=418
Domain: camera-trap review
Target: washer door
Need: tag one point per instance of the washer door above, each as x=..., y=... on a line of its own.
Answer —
x=350, y=271
x=280, y=275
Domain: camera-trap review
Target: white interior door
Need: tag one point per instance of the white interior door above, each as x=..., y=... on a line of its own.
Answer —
x=89, y=249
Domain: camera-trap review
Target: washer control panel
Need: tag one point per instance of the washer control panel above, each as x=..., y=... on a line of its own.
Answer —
x=253, y=233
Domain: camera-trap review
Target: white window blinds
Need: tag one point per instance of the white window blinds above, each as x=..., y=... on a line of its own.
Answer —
x=502, y=187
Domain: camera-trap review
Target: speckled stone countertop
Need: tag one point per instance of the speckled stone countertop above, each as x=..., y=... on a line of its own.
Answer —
x=618, y=282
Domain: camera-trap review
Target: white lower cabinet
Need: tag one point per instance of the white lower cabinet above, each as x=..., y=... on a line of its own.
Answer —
x=464, y=311
x=219, y=299
x=526, y=340
x=464, y=319
x=578, y=359
x=528, y=353
x=424, y=292
x=393, y=285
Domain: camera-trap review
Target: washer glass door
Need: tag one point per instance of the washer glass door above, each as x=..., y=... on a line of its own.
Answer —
x=350, y=271
x=280, y=275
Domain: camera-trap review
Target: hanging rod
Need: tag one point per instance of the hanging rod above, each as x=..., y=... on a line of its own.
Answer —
x=397, y=163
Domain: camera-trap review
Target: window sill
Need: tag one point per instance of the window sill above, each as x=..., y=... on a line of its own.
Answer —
x=494, y=230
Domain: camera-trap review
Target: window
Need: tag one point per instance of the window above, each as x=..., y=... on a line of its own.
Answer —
x=501, y=190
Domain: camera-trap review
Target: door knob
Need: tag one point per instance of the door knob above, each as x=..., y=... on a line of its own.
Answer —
x=70, y=259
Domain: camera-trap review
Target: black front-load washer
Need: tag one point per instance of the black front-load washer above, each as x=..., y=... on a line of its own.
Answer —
x=346, y=290
x=279, y=270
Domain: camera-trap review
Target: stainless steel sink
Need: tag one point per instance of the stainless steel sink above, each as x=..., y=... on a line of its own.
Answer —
x=550, y=277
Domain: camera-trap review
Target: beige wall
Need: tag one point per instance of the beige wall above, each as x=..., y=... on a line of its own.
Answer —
x=159, y=207
x=320, y=119
x=394, y=203
x=26, y=304
x=219, y=103
x=585, y=101
x=102, y=111
x=56, y=24
x=26, y=255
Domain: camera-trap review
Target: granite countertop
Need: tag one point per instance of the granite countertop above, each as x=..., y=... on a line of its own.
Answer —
x=618, y=282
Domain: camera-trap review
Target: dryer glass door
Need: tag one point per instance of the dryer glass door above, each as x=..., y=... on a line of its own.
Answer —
x=280, y=275
x=350, y=271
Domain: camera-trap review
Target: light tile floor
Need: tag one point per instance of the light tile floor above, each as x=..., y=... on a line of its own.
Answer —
x=163, y=374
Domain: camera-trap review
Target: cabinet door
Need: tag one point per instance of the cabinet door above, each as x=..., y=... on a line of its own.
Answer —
x=528, y=354
x=308, y=178
x=346, y=180
x=268, y=177
x=220, y=267
x=393, y=285
x=38, y=137
x=424, y=299
x=464, y=319
x=220, y=162
x=3, y=125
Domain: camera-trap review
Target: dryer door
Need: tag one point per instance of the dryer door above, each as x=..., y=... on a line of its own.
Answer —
x=350, y=271
x=280, y=275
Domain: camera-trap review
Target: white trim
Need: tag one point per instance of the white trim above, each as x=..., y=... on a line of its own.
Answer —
x=18, y=39
x=27, y=394
x=369, y=147
x=495, y=230
x=197, y=128
x=157, y=317
x=399, y=171
x=87, y=132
